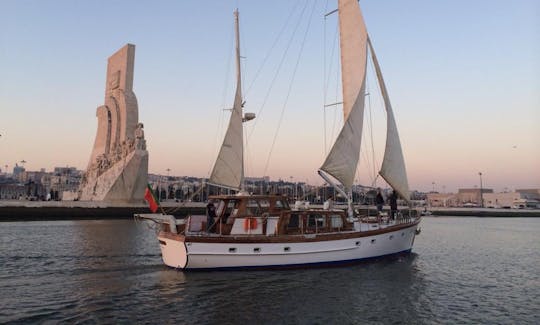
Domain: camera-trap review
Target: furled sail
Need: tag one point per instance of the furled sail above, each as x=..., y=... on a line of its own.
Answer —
x=393, y=167
x=342, y=160
x=229, y=166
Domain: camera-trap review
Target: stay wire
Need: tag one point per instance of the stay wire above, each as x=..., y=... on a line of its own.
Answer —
x=290, y=87
x=267, y=56
x=220, y=121
x=278, y=70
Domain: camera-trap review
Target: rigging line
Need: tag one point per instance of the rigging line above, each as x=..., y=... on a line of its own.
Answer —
x=327, y=84
x=380, y=99
x=336, y=111
x=290, y=86
x=331, y=61
x=272, y=83
x=281, y=32
x=370, y=126
x=324, y=78
x=219, y=128
x=363, y=150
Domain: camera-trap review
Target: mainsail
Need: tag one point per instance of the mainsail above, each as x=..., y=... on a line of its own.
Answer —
x=229, y=167
x=342, y=160
x=393, y=167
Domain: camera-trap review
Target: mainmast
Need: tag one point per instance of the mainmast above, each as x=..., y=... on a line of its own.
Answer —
x=229, y=167
x=238, y=96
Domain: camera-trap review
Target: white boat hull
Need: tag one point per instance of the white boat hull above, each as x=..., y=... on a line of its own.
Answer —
x=207, y=255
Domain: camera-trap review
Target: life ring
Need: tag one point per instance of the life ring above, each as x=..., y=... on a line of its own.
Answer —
x=250, y=223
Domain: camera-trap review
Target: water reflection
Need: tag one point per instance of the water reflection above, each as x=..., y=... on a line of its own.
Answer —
x=387, y=290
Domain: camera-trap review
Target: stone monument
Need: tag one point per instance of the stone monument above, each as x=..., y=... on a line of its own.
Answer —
x=118, y=166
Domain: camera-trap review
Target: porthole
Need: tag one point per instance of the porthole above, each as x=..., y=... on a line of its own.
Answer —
x=357, y=243
x=391, y=237
x=402, y=234
x=287, y=249
x=373, y=241
x=232, y=250
x=256, y=250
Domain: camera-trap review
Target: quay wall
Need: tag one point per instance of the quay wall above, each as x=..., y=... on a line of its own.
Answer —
x=485, y=212
x=84, y=210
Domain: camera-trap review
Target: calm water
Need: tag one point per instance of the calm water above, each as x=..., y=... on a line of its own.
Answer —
x=463, y=270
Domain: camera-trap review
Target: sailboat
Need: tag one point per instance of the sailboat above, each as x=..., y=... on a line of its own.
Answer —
x=263, y=231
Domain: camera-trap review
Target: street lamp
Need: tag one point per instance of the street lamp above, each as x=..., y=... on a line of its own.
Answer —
x=481, y=196
x=167, y=193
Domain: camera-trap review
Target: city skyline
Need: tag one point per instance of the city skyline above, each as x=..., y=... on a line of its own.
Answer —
x=465, y=101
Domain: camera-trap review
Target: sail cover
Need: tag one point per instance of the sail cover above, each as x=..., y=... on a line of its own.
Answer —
x=393, y=167
x=229, y=167
x=342, y=160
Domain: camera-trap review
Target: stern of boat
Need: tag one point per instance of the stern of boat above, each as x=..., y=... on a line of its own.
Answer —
x=173, y=251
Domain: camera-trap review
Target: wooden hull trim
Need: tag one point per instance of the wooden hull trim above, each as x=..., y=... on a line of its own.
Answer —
x=285, y=238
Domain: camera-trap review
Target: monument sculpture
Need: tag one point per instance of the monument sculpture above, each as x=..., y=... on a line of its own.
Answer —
x=118, y=166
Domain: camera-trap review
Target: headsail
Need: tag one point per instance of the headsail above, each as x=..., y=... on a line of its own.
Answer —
x=342, y=160
x=229, y=167
x=393, y=167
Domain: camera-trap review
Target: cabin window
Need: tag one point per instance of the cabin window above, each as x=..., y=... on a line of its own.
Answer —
x=257, y=208
x=316, y=221
x=232, y=209
x=232, y=250
x=373, y=241
x=357, y=243
x=256, y=250
x=294, y=221
x=252, y=208
x=287, y=249
x=336, y=221
x=220, y=208
x=281, y=204
x=265, y=205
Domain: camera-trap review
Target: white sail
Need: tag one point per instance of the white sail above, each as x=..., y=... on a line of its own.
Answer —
x=342, y=160
x=393, y=167
x=229, y=167
x=353, y=38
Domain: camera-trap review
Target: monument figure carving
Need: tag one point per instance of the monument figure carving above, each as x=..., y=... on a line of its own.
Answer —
x=118, y=165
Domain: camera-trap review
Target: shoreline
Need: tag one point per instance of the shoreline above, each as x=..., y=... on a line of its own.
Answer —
x=16, y=210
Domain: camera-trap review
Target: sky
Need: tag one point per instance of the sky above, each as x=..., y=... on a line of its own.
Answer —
x=463, y=78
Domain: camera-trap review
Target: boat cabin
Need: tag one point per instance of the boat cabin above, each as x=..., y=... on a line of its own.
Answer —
x=266, y=215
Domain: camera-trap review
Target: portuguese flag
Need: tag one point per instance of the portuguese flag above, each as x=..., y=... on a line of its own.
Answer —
x=151, y=199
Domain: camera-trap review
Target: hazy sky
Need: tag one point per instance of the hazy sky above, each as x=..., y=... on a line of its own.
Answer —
x=463, y=78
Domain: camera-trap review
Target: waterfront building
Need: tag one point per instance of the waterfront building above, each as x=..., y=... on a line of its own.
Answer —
x=520, y=199
x=435, y=199
x=471, y=197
